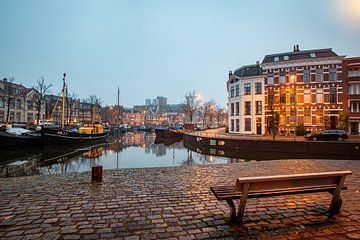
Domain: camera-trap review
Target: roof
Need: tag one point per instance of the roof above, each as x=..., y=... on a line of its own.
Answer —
x=248, y=71
x=297, y=55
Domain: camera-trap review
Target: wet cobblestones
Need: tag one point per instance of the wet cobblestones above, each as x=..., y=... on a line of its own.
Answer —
x=173, y=203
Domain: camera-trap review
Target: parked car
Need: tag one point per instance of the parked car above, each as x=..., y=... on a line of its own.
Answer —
x=331, y=134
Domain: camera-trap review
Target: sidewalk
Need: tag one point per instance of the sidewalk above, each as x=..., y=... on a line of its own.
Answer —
x=173, y=203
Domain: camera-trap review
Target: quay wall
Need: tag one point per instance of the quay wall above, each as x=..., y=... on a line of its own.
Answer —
x=220, y=142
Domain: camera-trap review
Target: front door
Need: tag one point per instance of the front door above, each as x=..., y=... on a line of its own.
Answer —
x=354, y=128
x=258, y=126
x=333, y=122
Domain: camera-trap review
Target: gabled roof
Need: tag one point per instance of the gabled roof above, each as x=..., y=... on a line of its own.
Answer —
x=248, y=71
x=297, y=55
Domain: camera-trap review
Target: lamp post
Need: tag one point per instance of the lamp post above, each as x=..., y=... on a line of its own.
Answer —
x=293, y=77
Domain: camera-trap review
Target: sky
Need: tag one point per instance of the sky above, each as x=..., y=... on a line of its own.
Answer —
x=160, y=47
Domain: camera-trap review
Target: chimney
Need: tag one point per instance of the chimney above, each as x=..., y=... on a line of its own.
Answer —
x=294, y=48
x=297, y=48
x=230, y=73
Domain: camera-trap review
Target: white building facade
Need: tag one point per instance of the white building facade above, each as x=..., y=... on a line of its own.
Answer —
x=246, y=101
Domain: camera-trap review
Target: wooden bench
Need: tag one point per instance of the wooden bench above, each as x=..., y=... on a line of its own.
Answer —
x=267, y=186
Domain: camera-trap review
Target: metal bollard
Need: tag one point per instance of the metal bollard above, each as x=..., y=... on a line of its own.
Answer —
x=96, y=174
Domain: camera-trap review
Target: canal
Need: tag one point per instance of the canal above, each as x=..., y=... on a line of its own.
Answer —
x=131, y=150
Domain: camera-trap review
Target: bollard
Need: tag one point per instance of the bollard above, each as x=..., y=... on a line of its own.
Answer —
x=96, y=174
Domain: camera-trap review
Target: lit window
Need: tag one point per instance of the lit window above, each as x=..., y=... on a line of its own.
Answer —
x=313, y=55
x=221, y=143
x=286, y=58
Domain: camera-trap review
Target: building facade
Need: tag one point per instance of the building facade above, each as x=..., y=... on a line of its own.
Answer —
x=351, y=84
x=23, y=109
x=246, y=100
x=312, y=78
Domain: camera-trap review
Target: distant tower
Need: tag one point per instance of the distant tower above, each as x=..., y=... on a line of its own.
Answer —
x=147, y=102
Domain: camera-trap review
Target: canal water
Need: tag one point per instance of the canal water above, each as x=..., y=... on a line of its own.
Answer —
x=131, y=150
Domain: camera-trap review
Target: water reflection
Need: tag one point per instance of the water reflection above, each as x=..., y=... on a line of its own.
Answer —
x=132, y=150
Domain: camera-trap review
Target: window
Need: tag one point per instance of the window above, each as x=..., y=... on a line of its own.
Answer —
x=247, y=124
x=319, y=96
x=270, y=80
x=307, y=116
x=307, y=96
x=319, y=75
x=232, y=125
x=283, y=98
x=30, y=105
x=12, y=104
x=232, y=109
x=286, y=58
x=232, y=91
x=258, y=88
x=354, y=72
x=282, y=78
x=306, y=77
x=237, y=91
x=12, y=116
x=247, y=88
x=2, y=105
x=355, y=106
x=237, y=125
x=237, y=108
x=2, y=116
x=258, y=105
x=18, y=104
x=247, y=108
x=276, y=59
x=332, y=75
x=313, y=55
x=333, y=93
x=353, y=89
x=18, y=117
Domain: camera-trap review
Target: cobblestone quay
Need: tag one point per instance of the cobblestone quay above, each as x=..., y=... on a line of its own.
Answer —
x=173, y=203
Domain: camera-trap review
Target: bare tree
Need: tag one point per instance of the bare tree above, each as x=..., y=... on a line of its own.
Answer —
x=220, y=112
x=9, y=94
x=72, y=104
x=191, y=105
x=42, y=89
x=95, y=105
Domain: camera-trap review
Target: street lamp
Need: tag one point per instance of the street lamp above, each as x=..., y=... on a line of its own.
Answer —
x=293, y=78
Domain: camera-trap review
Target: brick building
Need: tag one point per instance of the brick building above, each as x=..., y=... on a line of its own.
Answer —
x=316, y=76
x=351, y=83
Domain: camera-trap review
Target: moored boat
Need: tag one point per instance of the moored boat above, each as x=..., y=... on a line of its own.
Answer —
x=87, y=133
x=169, y=133
x=21, y=138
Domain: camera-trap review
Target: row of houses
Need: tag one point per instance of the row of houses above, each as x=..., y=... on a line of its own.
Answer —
x=308, y=88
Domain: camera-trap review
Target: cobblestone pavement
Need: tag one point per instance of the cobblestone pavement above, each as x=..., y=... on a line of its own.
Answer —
x=173, y=203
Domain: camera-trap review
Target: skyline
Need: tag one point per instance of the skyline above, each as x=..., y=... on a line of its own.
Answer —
x=162, y=48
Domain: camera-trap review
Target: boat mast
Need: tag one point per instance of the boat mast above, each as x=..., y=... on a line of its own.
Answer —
x=118, y=108
x=63, y=103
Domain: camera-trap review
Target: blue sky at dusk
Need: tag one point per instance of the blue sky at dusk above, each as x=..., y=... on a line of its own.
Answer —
x=162, y=48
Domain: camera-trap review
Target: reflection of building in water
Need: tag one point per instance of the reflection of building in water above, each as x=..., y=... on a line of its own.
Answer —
x=94, y=152
x=19, y=168
x=160, y=150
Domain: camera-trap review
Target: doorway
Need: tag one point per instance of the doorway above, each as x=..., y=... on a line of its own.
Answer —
x=258, y=126
x=333, y=122
x=354, y=126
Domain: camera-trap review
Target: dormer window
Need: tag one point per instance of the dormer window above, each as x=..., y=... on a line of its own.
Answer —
x=286, y=58
x=313, y=55
x=276, y=59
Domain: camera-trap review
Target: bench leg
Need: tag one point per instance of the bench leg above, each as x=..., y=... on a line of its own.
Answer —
x=232, y=210
x=335, y=206
x=243, y=199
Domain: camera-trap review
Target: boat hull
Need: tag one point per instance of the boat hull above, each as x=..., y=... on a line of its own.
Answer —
x=55, y=136
x=168, y=133
x=9, y=140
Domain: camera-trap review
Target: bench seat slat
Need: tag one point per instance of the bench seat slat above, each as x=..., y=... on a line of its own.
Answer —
x=230, y=193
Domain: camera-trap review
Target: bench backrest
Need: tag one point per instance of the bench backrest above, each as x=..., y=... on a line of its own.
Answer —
x=295, y=181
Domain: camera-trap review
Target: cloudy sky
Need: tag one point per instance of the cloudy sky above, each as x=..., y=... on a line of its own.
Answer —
x=160, y=47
